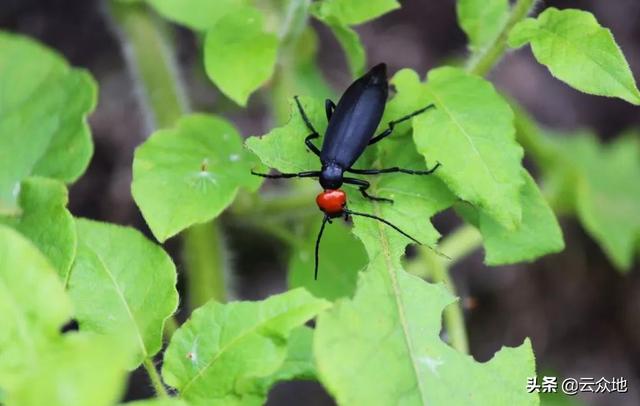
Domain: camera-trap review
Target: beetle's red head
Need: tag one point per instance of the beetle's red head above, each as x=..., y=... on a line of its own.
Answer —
x=332, y=202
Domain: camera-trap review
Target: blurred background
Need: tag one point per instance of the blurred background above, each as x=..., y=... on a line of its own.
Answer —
x=581, y=314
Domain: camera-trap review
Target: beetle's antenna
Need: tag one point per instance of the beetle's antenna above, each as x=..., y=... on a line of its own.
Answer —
x=397, y=229
x=324, y=222
x=355, y=213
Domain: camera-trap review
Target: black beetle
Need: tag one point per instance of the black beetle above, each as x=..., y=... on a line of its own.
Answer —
x=351, y=129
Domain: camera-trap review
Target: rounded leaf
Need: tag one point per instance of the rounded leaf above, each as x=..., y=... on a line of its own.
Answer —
x=46, y=221
x=43, y=109
x=122, y=283
x=79, y=370
x=239, y=55
x=351, y=12
x=195, y=14
x=189, y=174
x=33, y=306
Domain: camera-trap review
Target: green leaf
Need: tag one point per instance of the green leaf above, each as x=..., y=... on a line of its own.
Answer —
x=532, y=138
x=471, y=133
x=482, y=20
x=46, y=221
x=607, y=192
x=608, y=199
x=239, y=55
x=157, y=402
x=299, y=363
x=342, y=256
x=121, y=283
x=189, y=174
x=350, y=12
x=43, y=109
x=559, y=180
x=283, y=148
x=538, y=234
x=196, y=14
x=33, y=306
x=224, y=352
x=383, y=346
x=350, y=43
x=578, y=51
x=80, y=370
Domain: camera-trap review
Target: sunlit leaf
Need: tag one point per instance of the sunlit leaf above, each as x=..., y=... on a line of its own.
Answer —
x=384, y=347
x=122, y=283
x=482, y=20
x=471, y=133
x=538, y=234
x=45, y=220
x=158, y=402
x=578, y=51
x=79, y=370
x=196, y=14
x=33, y=306
x=43, y=109
x=351, y=12
x=239, y=54
x=283, y=148
x=189, y=174
x=299, y=363
x=224, y=352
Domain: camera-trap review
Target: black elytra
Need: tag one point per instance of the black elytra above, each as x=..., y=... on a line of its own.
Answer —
x=351, y=129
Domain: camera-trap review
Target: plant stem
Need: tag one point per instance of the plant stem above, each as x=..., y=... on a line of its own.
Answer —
x=482, y=63
x=460, y=243
x=154, y=376
x=147, y=45
x=170, y=327
x=283, y=234
x=253, y=206
x=150, y=57
x=198, y=254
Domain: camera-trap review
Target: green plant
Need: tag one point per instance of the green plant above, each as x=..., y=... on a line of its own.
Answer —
x=377, y=334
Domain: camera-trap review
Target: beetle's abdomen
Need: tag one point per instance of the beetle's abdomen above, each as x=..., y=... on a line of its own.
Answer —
x=354, y=123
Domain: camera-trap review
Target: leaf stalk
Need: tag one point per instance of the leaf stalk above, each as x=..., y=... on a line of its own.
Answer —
x=487, y=58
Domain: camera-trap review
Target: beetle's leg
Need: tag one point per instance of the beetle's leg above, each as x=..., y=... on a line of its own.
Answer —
x=393, y=123
x=363, y=186
x=392, y=170
x=306, y=120
x=329, y=107
x=311, y=145
x=306, y=174
x=314, y=134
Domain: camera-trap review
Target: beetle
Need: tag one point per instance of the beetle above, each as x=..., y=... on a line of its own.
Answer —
x=351, y=129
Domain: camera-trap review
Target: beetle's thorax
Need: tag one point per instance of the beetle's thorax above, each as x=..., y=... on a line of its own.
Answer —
x=331, y=175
